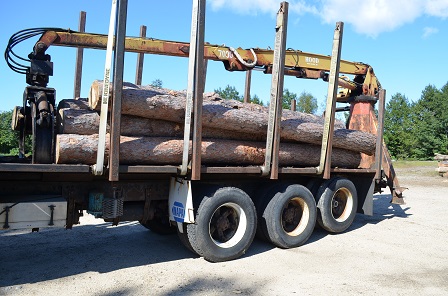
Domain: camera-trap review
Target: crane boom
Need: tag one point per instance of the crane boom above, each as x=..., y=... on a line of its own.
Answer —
x=297, y=63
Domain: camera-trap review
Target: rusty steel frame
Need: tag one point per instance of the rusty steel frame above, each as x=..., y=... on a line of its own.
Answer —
x=297, y=63
x=120, y=35
x=293, y=58
x=380, y=134
x=140, y=59
x=270, y=166
x=247, y=86
x=195, y=90
x=363, y=118
x=79, y=57
x=324, y=167
x=198, y=91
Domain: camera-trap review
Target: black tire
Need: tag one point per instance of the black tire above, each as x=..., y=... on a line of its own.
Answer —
x=225, y=225
x=313, y=186
x=290, y=217
x=337, y=204
x=263, y=197
x=183, y=237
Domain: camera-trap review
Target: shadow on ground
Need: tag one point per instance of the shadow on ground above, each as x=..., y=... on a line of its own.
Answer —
x=382, y=210
x=52, y=254
x=30, y=257
x=57, y=253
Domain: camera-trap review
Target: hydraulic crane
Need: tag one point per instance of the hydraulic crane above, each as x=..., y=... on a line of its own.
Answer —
x=361, y=92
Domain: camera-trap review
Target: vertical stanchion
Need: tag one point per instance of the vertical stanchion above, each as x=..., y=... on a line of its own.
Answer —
x=327, y=137
x=120, y=37
x=140, y=59
x=379, y=134
x=293, y=105
x=275, y=107
x=194, y=91
x=247, y=86
x=79, y=57
x=199, y=83
x=205, y=73
x=98, y=168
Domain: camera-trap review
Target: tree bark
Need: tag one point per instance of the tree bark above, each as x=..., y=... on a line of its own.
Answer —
x=86, y=122
x=74, y=149
x=235, y=117
x=77, y=104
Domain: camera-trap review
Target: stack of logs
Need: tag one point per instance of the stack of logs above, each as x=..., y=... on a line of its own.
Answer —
x=443, y=164
x=233, y=133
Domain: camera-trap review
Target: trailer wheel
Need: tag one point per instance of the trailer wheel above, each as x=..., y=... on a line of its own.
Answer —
x=262, y=199
x=313, y=186
x=290, y=217
x=183, y=237
x=337, y=204
x=225, y=225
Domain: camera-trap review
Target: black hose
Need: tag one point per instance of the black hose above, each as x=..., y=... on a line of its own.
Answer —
x=11, y=58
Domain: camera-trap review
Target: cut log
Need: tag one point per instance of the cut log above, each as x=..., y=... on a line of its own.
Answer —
x=77, y=104
x=73, y=149
x=237, y=117
x=77, y=121
x=86, y=122
x=140, y=93
x=438, y=156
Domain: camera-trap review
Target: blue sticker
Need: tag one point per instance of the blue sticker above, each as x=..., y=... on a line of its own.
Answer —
x=178, y=211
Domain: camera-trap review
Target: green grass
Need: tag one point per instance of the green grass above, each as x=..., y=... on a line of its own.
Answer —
x=404, y=164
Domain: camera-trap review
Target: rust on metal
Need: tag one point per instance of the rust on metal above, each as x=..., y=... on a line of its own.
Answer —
x=363, y=118
x=140, y=59
x=79, y=58
x=44, y=168
x=294, y=59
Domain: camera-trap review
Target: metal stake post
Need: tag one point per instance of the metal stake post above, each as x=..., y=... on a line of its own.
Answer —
x=247, y=87
x=79, y=57
x=120, y=37
x=98, y=168
x=379, y=134
x=199, y=82
x=327, y=137
x=275, y=109
x=140, y=59
x=194, y=90
x=293, y=105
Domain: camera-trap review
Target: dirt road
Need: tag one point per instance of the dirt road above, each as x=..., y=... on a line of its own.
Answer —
x=400, y=250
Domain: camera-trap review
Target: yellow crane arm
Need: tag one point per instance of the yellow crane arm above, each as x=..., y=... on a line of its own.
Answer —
x=297, y=63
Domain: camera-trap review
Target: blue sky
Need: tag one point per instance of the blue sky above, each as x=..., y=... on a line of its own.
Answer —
x=405, y=41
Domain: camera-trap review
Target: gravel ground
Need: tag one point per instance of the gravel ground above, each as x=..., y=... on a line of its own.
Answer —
x=400, y=250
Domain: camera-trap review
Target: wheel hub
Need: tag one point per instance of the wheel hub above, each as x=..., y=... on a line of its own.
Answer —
x=224, y=224
x=292, y=215
x=341, y=204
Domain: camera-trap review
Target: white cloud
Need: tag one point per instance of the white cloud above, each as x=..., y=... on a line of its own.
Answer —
x=246, y=6
x=367, y=17
x=263, y=6
x=437, y=8
x=428, y=31
x=371, y=17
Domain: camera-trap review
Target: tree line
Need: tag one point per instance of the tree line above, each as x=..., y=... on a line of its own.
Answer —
x=417, y=130
x=306, y=102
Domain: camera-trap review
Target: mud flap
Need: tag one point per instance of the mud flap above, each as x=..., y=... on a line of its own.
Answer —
x=181, y=202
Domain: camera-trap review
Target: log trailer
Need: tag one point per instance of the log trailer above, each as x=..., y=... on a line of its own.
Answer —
x=216, y=210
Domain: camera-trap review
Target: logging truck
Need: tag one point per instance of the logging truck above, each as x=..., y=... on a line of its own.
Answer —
x=215, y=207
